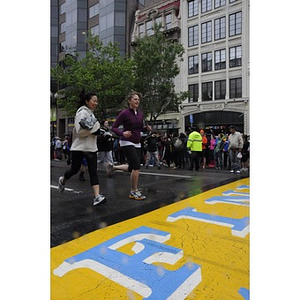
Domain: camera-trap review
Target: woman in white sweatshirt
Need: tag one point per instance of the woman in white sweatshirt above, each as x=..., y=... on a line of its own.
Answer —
x=84, y=144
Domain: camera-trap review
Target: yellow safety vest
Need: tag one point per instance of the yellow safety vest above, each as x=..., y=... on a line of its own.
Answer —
x=194, y=141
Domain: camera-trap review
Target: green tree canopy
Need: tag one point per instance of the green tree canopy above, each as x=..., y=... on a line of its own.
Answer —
x=102, y=71
x=155, y=67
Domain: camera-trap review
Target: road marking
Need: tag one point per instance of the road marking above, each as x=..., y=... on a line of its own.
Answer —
x=66, y=189
x=146, y=257
x=167, y=175
x=162, y=174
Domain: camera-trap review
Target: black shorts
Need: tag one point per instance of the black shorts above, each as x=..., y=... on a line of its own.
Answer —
x=133, y=157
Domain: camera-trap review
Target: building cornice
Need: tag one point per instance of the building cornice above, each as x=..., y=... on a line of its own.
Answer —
x=237, y=105
x=155, y=10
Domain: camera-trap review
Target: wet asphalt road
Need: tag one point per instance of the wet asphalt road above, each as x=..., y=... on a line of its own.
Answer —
x=72, y=212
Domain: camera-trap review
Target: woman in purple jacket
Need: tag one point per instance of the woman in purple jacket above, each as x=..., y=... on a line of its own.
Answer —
x=130, y=137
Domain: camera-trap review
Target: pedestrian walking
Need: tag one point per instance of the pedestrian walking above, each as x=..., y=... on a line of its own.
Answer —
x=105, y=147
x=58, y=148
x=84, y=144
x=205, y=150
x=212, y=144
x=235, y=147
x=177, y=146
x=152, y=150
x=167, y=151
x=65, y=147
x=218, y=151
x=182, y=151
x=194, y=144
x=226, y=161
x=130, y=141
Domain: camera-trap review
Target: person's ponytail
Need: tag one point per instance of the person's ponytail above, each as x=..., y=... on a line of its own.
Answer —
x=85, y=97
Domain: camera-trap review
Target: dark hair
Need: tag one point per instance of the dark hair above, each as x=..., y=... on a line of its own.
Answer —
x=85, y=97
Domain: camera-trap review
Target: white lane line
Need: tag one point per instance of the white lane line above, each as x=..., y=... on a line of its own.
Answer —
x=160, y=174
x=66, y=189
x=167, y=175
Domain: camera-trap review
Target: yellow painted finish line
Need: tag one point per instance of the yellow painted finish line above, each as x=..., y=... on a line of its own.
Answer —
x=197, y=248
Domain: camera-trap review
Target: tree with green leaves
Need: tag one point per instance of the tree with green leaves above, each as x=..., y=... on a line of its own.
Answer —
x=102, y=71
x=155, y=67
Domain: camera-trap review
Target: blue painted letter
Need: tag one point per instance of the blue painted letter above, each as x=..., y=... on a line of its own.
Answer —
x=137, y=272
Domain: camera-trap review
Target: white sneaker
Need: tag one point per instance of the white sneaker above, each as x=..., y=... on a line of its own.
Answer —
x=232, y=171
x=61, y=186
x=100, y=198
x=238, y=171
x=137, y=195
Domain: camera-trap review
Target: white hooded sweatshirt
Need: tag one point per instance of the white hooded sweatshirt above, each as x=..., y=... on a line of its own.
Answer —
x=83, y=139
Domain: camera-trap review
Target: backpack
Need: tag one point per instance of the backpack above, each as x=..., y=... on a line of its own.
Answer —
x=178, y=143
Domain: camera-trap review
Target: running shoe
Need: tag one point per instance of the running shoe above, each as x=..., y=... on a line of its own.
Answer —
x=99, y=199
x=61, y=186
x=136, y=195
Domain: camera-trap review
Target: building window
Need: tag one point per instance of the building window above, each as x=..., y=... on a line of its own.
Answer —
x=168, y=21
x=193, y=36
x=206, y=32
x=141, y=30
x=219, y=3
x=62, y=27
x=220, y=28
x=120, y=19
x=235, y=24
x=158, y=20
x=235, y=85
x=107, y=21
x=235, y=57
x=193, y=64
x=220, y=89
x=231, y=1
x=207, y=91
x=206, y=5
x=193, y=8
x=95, y=30
x=94, y=10
x=71, y=18
x=194, y=92
x=149, y=28
x=206, y=62
x=62, y=8
x=220, y=59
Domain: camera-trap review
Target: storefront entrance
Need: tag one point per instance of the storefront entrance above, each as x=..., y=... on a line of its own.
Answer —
x=219, y=121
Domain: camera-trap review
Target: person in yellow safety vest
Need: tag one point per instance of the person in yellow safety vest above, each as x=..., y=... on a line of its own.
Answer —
x=194, y=144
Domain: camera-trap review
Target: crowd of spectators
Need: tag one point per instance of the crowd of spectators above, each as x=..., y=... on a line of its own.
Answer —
x=169, y=150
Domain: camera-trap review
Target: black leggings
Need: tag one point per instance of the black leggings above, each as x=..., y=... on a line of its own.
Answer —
x=133, y=157
x=77, y=157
